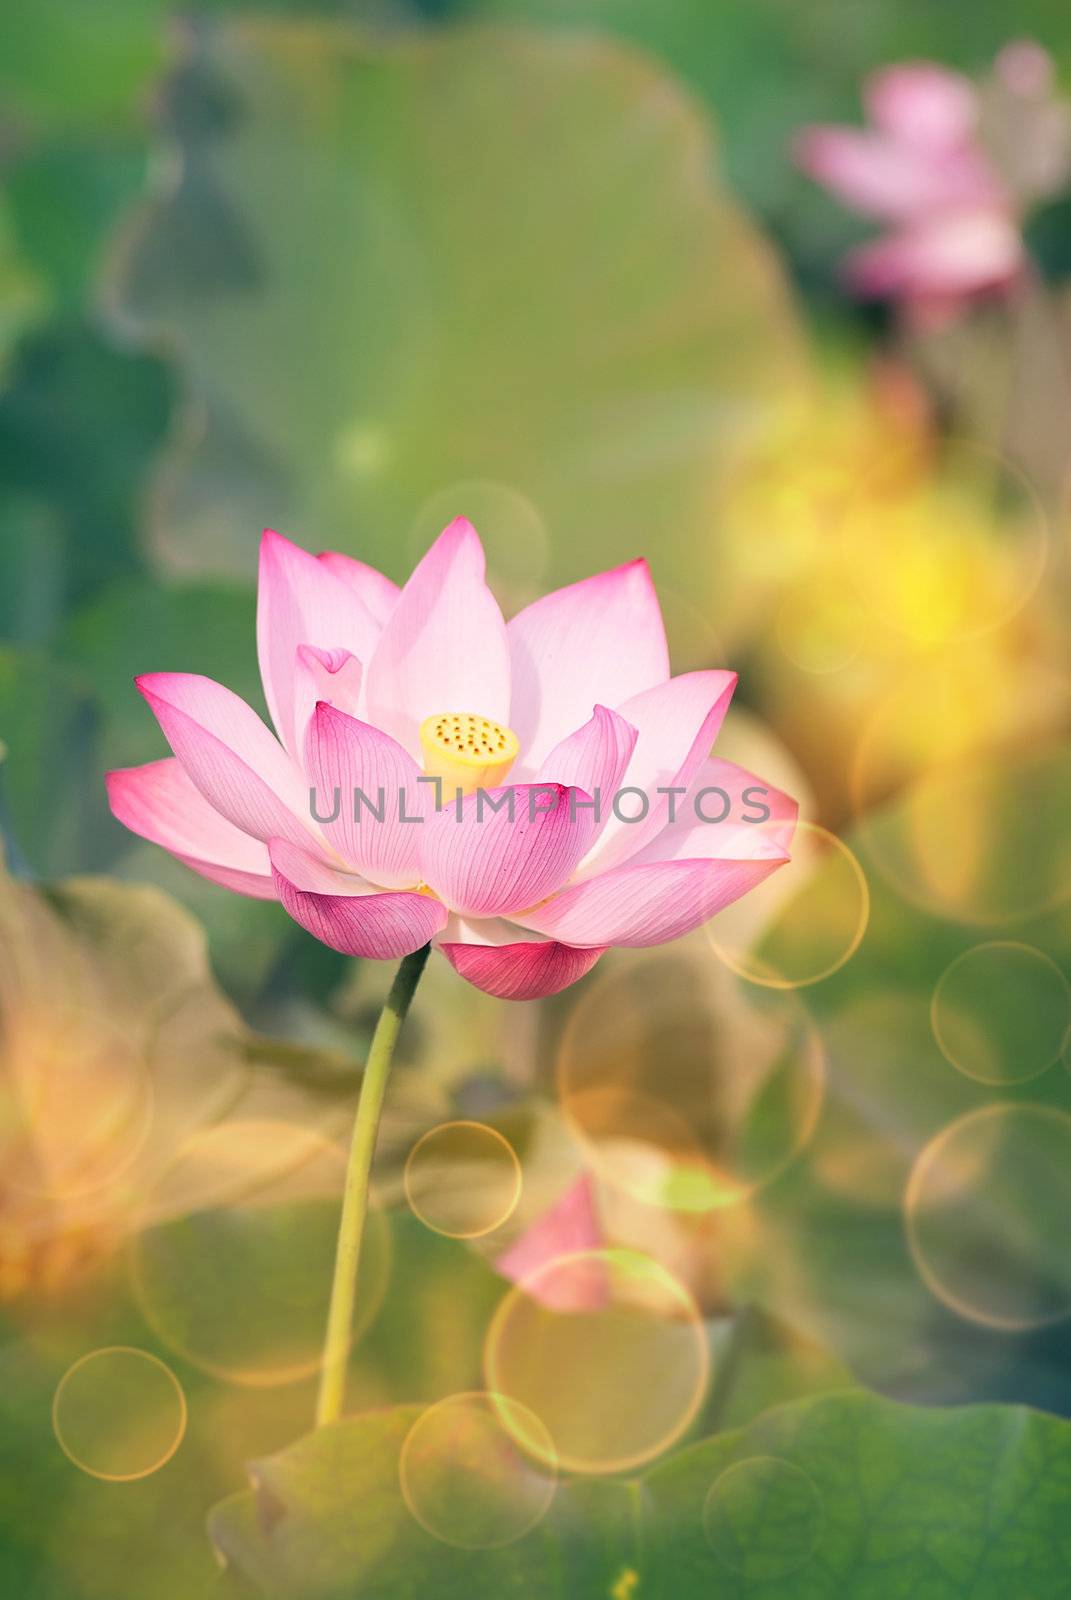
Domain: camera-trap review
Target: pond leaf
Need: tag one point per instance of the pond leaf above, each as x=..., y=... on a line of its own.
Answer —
x=66, y=64
x=506, y=281
x=767, y=66
x=855, y=1495
x=836, y=1495
x=759, y=1362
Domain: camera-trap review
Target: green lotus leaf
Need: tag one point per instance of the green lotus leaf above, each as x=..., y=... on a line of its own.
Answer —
x=841, y=1494
x=766, y=66
x=65, y=63
x=506, y=281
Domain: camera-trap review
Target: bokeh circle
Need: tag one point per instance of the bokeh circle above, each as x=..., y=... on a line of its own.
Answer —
x=236, y=1275
x=617, y=1377
x=812, y=913
x=465, y=1478
x=684, y=1085
x=512, y=529
x=463, y=1179
x=977, y=831
x=986, y=1216
x=1000, y=1012
x=119, y=1414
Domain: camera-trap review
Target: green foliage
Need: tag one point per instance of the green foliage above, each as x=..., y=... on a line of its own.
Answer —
x=136, y=625
x=79, y=422
x=767, y=66
x=565, y=302
x=319, y=263
x=830, y=1246
x=837, y=1495
x=49, y=794
x=64, y=63
x=22, y=296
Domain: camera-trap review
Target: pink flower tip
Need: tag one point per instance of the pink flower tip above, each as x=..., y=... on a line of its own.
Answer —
x=1025, y=67
x=569, y=1228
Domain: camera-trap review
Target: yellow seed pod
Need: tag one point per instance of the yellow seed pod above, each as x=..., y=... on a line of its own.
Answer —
x=466, y=751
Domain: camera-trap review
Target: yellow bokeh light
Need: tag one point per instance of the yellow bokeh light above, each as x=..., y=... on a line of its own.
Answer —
x=463, y=1179
x=819, y=628
x=615, y=1380
x=979, y=828
x=119, y=1414
x=79, y=1103
x=943, y=559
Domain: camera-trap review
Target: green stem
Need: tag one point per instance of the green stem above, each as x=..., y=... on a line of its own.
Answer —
x=355, y=1195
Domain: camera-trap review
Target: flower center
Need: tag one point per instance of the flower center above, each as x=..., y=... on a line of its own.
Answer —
x=467, y=752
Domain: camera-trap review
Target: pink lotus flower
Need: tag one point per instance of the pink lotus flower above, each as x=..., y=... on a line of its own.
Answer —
x=920, y=167
x=565, y=1231
x=378, y=690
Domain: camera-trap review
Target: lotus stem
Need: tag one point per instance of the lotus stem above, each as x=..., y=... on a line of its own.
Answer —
x=355, y=1195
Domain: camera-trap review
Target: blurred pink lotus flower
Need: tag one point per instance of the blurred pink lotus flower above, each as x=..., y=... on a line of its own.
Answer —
x=383, y=690
x=925, y=167
x=1026, y=124
x=567, y=1230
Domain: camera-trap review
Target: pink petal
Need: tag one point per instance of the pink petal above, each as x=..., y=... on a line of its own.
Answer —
x=333, y=676
x=923, y=104
x=160, y=803
x=313, y=873
x=1025, y=68
x=880, y=178
x=594, y=758
x=300, y=601
x=649, y=903
x=443, y=647
x=230, y=755
x=346, y=755
x=677, y=723
x=376, y=591
x=744, y=831
x=594, y=643
x=570, y=1226
x=955, y=253
x=527, y=969
x=345, y=914
x=489, y=863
